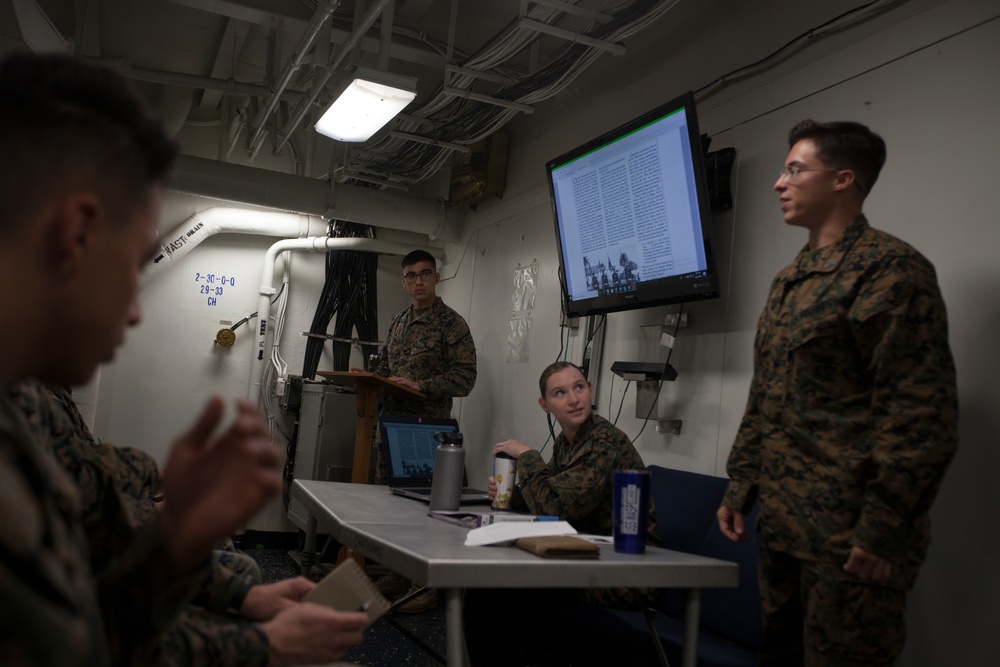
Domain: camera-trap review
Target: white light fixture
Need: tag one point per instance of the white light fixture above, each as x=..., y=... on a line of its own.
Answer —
x=365, y=101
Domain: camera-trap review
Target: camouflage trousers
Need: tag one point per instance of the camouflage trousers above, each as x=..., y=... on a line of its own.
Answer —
x=816, y=615
x=201, y=638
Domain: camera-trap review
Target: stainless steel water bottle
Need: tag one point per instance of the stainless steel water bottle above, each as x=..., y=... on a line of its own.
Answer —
x=449, y=471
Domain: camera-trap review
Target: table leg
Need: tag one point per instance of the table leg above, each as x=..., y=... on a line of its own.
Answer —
x=309, y=548
x=454, y=638
x=692, y=614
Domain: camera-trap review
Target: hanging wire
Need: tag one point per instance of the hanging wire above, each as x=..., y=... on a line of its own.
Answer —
x=350, y=294
x=659, y=386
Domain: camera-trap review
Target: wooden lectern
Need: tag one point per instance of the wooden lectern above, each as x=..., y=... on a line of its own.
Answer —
x=368, y=390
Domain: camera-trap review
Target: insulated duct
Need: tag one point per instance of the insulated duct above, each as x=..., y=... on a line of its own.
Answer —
x=286, y=192
x=266, y=291
x=189, y=234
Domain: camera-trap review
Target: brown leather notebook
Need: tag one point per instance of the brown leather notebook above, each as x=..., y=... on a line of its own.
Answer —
x=559, y=546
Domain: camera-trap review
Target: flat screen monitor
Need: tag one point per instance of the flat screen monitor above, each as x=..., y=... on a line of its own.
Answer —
x=632, y=217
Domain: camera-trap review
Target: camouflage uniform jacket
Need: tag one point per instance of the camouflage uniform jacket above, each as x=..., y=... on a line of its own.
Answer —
x=117, y=486
x=852, y=416
x=435, y=348
x=576, y=484
x=50, y=612
x=119, y=521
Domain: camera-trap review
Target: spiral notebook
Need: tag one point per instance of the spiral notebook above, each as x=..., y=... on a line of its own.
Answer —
x=347, y=588
x=408, y=448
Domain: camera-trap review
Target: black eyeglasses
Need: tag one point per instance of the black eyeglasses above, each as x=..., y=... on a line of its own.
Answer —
x=424, y=275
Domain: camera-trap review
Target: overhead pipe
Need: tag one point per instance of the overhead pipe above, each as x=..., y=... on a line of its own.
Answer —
x=189, y=234
x=319, y=17
x=311, y=196
x=267, y=291
x=124, y=67
x=385, y=37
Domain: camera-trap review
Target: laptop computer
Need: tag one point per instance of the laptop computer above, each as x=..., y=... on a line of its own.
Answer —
x=408, y=448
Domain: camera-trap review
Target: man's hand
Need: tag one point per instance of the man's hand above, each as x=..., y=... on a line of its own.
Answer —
x=263, y=602
x=868, y=567
x=491, y=490
x=415, y=386
x=215, y=484
x=310, y=634
x=731, y=524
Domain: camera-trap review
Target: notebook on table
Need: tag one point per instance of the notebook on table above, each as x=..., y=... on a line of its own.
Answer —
x=408, y=448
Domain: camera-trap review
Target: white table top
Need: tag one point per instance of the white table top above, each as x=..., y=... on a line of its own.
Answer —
x=398, y=533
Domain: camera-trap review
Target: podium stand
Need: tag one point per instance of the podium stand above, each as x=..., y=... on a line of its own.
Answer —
x=368, y=389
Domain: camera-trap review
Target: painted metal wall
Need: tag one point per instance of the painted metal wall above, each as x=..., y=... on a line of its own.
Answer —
x=928, y=84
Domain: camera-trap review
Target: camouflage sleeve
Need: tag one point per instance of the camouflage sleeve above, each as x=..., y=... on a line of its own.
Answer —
x=142, y=593
x=116, y=484
x=460, y=359
x=231, y=575
x=382, y=368
x=576, y=490
x=901, y=326
x=49, y=614
x=201, y=637
x=137, y=474
x=139, y=587
x=743, y=466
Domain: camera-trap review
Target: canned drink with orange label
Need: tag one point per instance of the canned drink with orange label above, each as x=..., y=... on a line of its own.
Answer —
x=504, y=472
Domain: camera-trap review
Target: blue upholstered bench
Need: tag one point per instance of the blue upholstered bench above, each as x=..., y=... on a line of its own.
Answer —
x=730, y=626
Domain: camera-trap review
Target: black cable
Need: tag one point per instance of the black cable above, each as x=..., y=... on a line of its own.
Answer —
x=253, y=315
x=288, y=473
x=349, y=294
x=620, y=404
x=808, y=34
x=604, y=318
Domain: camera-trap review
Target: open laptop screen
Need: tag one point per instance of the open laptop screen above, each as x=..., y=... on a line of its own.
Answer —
x=408, y=447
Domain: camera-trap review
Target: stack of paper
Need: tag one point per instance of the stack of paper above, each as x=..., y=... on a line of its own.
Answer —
x=508, y=531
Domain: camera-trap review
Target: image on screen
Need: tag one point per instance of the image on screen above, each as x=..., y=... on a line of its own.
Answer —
x=631, y=215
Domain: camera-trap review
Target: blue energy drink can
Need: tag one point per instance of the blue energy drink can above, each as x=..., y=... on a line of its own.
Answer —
x=631, y=510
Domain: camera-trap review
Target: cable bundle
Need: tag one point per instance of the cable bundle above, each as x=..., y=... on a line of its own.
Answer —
x=350, y=294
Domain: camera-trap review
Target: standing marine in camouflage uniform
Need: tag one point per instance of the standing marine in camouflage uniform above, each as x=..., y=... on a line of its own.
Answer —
x=851, y=420
x=577, y=486
x=429, y=349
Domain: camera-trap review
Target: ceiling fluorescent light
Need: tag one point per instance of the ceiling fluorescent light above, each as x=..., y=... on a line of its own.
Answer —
x=364, y=102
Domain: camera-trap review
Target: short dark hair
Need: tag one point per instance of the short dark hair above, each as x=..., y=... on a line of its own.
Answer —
x=553, y=368
x=845, y=145
x=68, y=124
x=419, y=256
